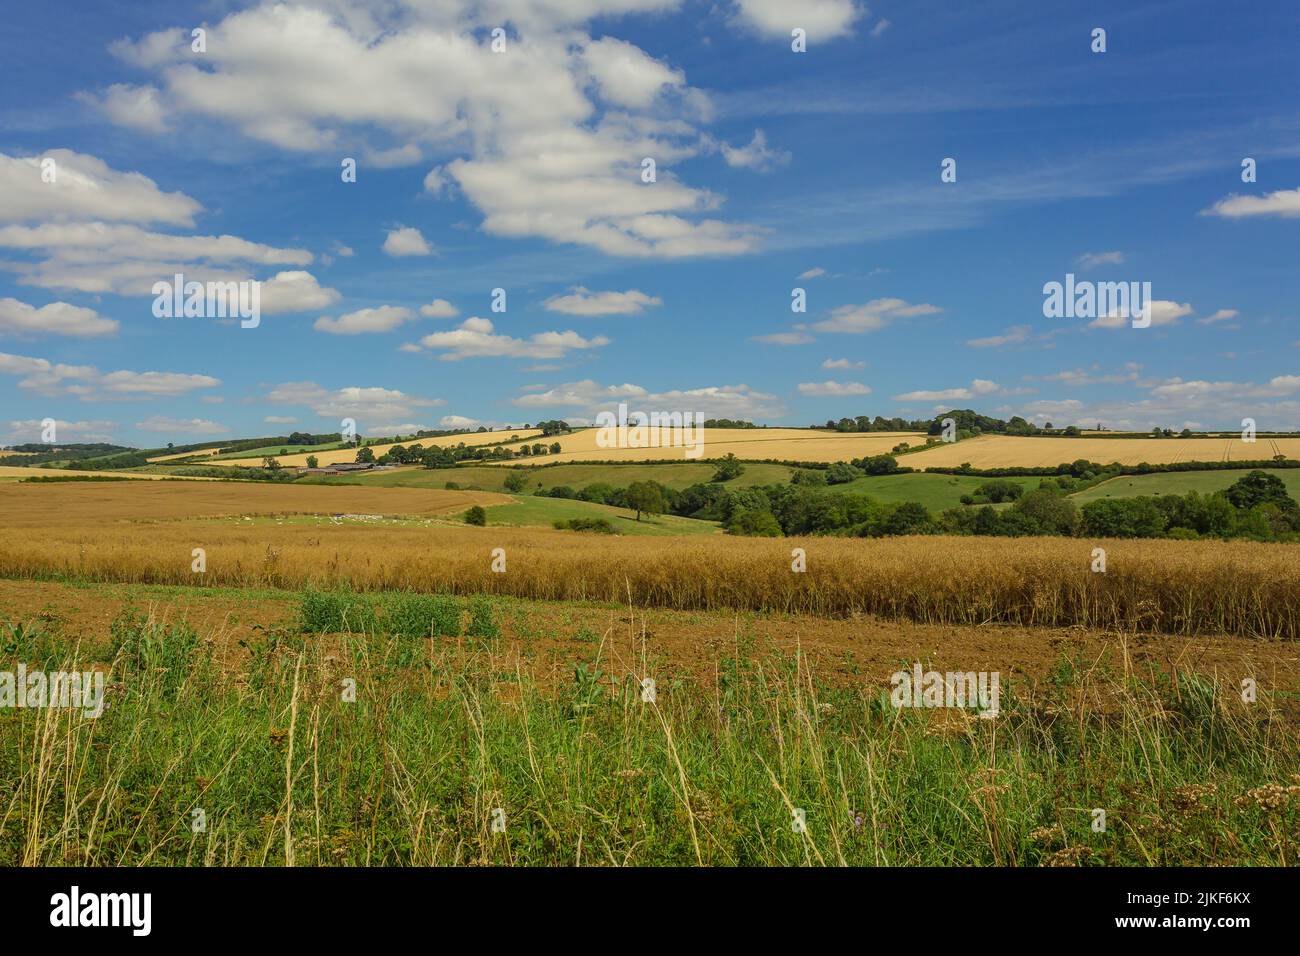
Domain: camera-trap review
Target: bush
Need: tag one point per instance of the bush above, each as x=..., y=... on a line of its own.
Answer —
x=1258, y=488
x=841, y=473
x=331, y=612
x=1123, y=518
x=808, y=478
x=908, y=518
x=600, y=525
x=445, y=620
x=408, y=615
x=515, y=481
x=729, y=468
x=482, y=617
x=600, y=492
x=878, y=465
x=476, y=515
x=754, y=523
x=999, y=491
x=1044, y=511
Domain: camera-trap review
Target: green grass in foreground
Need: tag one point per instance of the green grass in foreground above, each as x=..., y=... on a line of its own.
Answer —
x=1180, y=483
x=285, y=768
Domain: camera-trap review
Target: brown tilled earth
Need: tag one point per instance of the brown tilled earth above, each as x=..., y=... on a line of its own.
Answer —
x=547, y=639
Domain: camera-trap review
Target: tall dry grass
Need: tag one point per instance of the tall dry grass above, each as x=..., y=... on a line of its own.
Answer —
x=1238, y=588
x=279, y=767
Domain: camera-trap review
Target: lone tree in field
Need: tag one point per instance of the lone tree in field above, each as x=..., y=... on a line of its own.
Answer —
x=1259, y=488
x=365, y=455
x=515, y=481
x=729, y=468
x=312, y=461
x=644, y=497
x=476, y=515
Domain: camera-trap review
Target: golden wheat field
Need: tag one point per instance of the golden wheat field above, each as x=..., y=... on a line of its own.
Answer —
x=133, y=533
x=341, y=455
x=781, y=444
x=1009, y=451
x=14, y=471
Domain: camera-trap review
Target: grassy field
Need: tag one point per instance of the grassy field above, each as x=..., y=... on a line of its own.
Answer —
x=936, y=492
x=402, y=739
x=529, y=511
x=1179, y=483
x=1005, y=451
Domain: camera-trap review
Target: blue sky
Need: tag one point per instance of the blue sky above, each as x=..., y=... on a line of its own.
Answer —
x=521, y=170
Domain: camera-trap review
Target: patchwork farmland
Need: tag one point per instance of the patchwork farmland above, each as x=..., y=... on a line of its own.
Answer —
x=760, y=671
x=755, y=444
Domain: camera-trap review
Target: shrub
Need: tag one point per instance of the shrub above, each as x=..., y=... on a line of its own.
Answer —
x=841, y=473
x=1044, y=511
x=476, y=515
x=445, y=620
x=600, y=492
x=729, y=468
x=1123, y=518
x=1258, y=488
x=325, y=612
x=908, y=518
x=877, y=465
x=999, y=491
x=408, y=615
x=600, y=525
x=482, y=617
x=754, y=523
x=809, y=478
